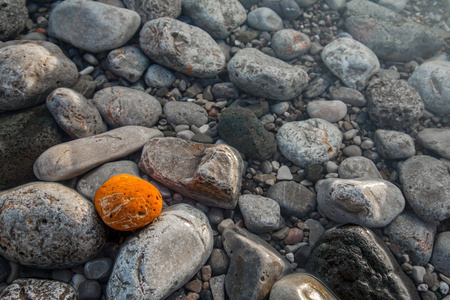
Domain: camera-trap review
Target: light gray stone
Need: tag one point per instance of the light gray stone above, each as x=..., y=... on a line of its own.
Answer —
x=335, y=4
x=185, y=113
x=426, y=184
x=49, y=226
x=264, y=19
x=352, y=151
x=358, y=167
x=92, y=26
x=217, y=285
x=13, y=17
x=163, y=256
x=70, y=159
x=261, y=214
x=280, y=108
x=328, y=110
x=218, y=18
x=38, y=289
x=351, y=61
x=182, y=47
x=394, y=5
x=153, y=9
x=76, y=115
x=308, y=142
x=122, y=106
x=394, y=145
x=284, y=173
x=436, y=140
x=289, y=44
x=366, y=202
x=300, y=286
x=264, y=76
x=157, y=76
x=128, y=62
x=441, y=253
x=210, y=174
x=430, y=80
x=348, y=96
x=30, y=70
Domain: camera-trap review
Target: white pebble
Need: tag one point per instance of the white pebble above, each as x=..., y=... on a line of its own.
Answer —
x=87, y=71
x=443, y=288
x=331, y=167
x=422, y=287
x=290, y=257
x=418, y=272
x=284, y=173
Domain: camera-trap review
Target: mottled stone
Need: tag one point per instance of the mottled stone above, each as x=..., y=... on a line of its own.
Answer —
x=358, y=167
x=436, y=140
x=49, y=226
x=367, y=202
x=92, y=26
x=70, y=159
x=163, y=256
x=210, y=174
x=261, y=214
x=153, y=9
x=13, y=16
x=289, y=44
x=122, y=106
x=441, y=253
x=310, y=141
x=157, y=76
x=264, y=19
x=182, y=47
x=300, y=286
x=426, y=184
x=128, y=62
x=264, y=76
x=356, y=264
x=328, y=110
x=186, y=113
x=394, y=145
x=294, y=199
x=351, y=61
x=30, y=70
x=39, y=289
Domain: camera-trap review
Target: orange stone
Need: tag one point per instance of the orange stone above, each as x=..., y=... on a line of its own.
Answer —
x=125, y=202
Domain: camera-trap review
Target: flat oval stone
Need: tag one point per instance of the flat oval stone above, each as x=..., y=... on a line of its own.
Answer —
x=153, y=9
x=358, y=167
x=300, y=286
x=182, y=47
x=76, y=115
x=210, y=174
x=441, y=254
x=153, y=262
x=49, y=226
x=394, y=145
x=13, y=17
x=70, y=159
x=128, y=62
x=21, y=61
x=103, y=27
x=261, y=214
x=38, y=289
x=351, y=61
x=264, y=76
x=328, y=110
x=289, y=44
x=219, y=19
x=185, y=113
x=367, y=202
x=426, y=184
x=436, y=140
x=348, y=96
x=122, y=106
x=264, y=19
x=308, y=142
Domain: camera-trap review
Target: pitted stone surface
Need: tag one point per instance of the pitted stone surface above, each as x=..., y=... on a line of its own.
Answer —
x=153, y=9
x=39, y=289
x=394, y=145
x=13, y=17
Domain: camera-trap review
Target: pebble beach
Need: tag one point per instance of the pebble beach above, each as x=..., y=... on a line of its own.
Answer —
x=232, y=149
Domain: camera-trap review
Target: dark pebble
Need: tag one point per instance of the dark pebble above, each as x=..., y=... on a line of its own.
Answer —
x=99, y=269
x=89, y=290
x=5, y=269
x=219, y=262
x=62, y=275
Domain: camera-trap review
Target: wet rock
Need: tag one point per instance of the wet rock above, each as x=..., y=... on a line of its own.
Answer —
x=76, y=115
x=436, y=140
x=240, y=128
x=39, y=289
x=430, y=81
x=387, y=34
x=157, y=76
x=300, y=286
x=152, y=263
x=254, y=265
x=412, y=236
x=393, y=104
x=358, y=167
x=186, y=113
x=356, y=264
x=351, y=61
x=207, y=173
x=153, y=9
x=261, y=214
x=441, y=253
x=181, y=47
x=264, y=19
x=426, y=184
x=30, y=70
x=264, y=76
x=394, y=145
x=348, y=96
x=128, y=62
x=49, y=226
x=219, y=19
x=122, y=106
x=98, y=31
x=328, y=110
x=289, y=44
x=310, y=141
x=13, y=17
x=70, y=159
x=367, y=202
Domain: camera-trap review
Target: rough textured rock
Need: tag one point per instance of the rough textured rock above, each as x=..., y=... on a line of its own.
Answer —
x=70, y=159
x=294, y=199
x=328, y=110
x=185, y=113
x=356, y=264
x=254, y=265
x=289, y=44
x=76, y=115
x=153, y=262
x=208, y=173
x=33, y=69
x=393, y=104
x=182, y=47
x=366, y=202
x=218, y=18
x=308, y=142
x=300, y=286
x=358, y=167
x=412, y=236
x=387, y=34
x=128, y=62
x=264, y=76
x=430, y=80
x=153, y=9
x=122, y=106
x=436, y=140
x=441, y=253
x=13, y=15
x=394, y=145
x=240, y=128
x=261, y=214
x=426, y=185
x=49, y=226
x=157, y=76
x=92, y=26
x=24, y=136
x=351, y=61
x=39, y=289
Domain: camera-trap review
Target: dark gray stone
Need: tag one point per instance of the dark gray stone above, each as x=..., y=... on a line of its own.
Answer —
x=185, y=113
x=99, y=268
x=5, y=269
x=128, y=62
x=219, y=262
x=441, y=253
x=157, y=76
x=13, y=15
x=225, y=90
x=38, y=289
x=89, y=290
x=261, y=214
x=349, y=96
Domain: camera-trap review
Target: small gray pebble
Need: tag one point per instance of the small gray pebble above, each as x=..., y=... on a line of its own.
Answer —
x=99, y=269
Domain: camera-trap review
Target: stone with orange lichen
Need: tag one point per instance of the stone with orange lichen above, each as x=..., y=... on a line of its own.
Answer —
x=125, y=202
x=289, y=44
